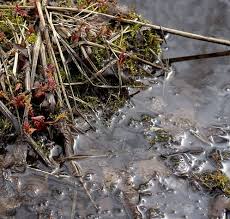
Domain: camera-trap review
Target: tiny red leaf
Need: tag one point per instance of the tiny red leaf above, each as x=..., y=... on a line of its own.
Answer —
x=27, y=128
x=39, y=122
x=19, y=101
x=75, y=37
x=122, y=58
x=20, y=11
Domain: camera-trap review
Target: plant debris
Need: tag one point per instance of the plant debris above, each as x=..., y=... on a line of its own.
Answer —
x=214, y=180
x=57, y=66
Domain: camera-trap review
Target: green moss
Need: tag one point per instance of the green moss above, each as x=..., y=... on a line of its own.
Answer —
x=82, y=2
x=155, y=213
x=42, y=147
x=131, y=66
x=117, y=103
x=134, y=29
x=32, y=38
x=225, y=155
x=93, y=101
x=161, y=136
x=215, y=180
x=63, y=74
x=18, y=20
x=138, y=84
x=9, y=16
x=4, y=27
x=68, y=3
x=146, y=118
x=141, y=42
x=99, y=55
x=133, y=15
x=5, y=125
x=103, y=9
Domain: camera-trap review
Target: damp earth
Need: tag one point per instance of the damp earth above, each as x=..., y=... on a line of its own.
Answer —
x=165, y=154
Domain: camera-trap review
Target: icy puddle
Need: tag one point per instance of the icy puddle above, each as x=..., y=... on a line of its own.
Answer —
x=156, y=158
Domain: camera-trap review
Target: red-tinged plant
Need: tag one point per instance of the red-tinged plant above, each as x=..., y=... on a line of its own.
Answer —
x=2, y=36
x=3, y=95
x=39, y=93
x=50, y=69
x=50, y=78
x=23, y=101
x=19, y=101
x=51, y=83
x=40, y=90
x=20, y=11
x=28, y=106
x=105, y=31
x=30, y=30
x=75, y=37
x=27, y=128
x=18, y=87
x=39, y=122
x=122, y=58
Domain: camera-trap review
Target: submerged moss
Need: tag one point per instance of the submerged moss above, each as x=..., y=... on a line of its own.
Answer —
x=215, y=180
x=93, y=102
x=117, y=103
x=161, y=136
x=146, y=118
x=112, y=105
x=155, y=213
x=5, y=125
x=225, y=155
x=43, y=148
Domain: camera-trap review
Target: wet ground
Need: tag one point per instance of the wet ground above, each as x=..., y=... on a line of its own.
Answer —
x=149, y=159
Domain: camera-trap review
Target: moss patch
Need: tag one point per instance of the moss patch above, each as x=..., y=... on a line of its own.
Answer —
x=215, y=180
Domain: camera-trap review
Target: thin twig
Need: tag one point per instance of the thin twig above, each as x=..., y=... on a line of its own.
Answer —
x=53, y=60
x=41, y=16
x=36, y=51
x=57, y=66
x=13, y=7
x=90, y=62
x=11, y=91
x=17, y=53
x=36, y=147
x=156, y=27
x=43, y=56
x=199, y=56
x=5, y=111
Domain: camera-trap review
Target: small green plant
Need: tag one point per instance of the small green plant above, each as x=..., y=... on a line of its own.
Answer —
x=215, y=180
